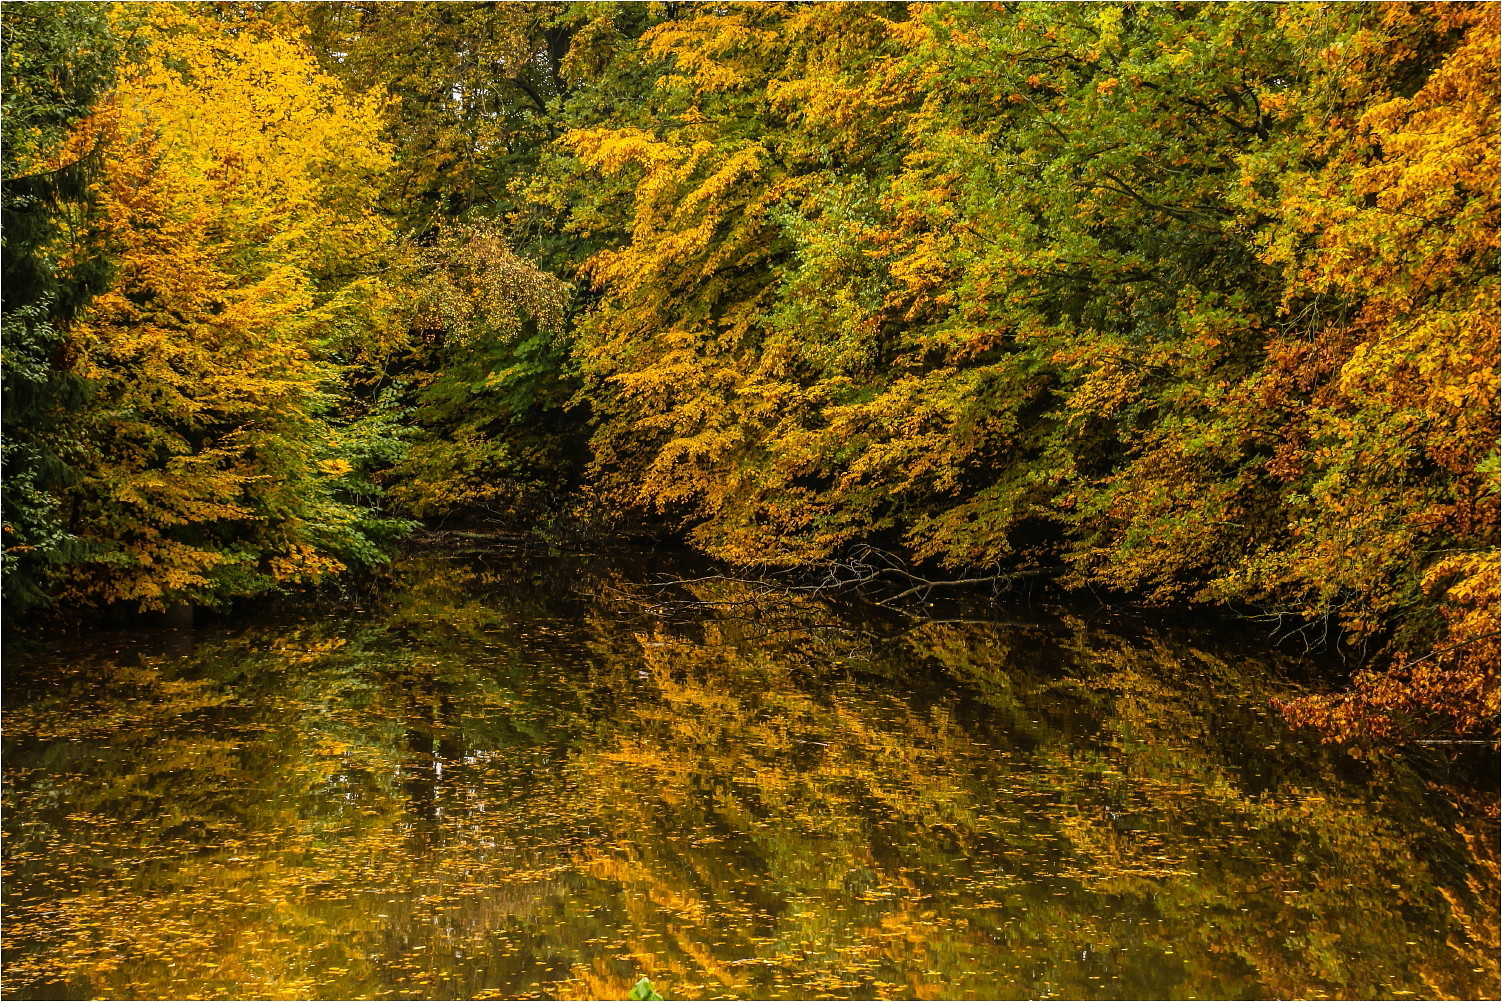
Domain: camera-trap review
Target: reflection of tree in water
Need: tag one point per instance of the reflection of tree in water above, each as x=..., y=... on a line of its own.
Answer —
x=428, y=712
x=1157, y=796
x=504, y=775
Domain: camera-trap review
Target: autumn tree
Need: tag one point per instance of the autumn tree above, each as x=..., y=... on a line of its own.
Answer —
x=1185, y=303
x=1386, y=231
x=238, y=200
x=690, y=385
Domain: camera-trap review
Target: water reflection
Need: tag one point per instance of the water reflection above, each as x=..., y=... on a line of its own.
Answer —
x=532, y=776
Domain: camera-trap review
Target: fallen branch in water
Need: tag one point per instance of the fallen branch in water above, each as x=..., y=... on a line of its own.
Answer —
x=924, y=585
x=1456, y=741
x=867, y=572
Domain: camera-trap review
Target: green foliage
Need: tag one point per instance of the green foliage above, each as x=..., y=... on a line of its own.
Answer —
x=474, y=95
x=488, y=374
x=471, y=89
x=643, y=991
x=59, y=58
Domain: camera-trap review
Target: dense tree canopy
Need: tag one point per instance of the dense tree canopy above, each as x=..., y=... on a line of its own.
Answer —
x=1188, y=303
x=237, y=199
x=59, y=61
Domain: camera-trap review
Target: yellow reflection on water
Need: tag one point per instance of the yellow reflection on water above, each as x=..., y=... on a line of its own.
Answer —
x=511, y=781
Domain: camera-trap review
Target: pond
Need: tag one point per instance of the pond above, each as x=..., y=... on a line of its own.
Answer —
x=512, y=773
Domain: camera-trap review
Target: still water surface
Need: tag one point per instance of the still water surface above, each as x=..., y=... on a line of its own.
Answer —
x=508, y=774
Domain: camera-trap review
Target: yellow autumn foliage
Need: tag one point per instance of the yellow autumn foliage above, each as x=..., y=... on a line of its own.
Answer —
x=238, y=197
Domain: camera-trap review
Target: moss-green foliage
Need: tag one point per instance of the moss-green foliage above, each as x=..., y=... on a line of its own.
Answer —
x=59, y=59
x=485, y=391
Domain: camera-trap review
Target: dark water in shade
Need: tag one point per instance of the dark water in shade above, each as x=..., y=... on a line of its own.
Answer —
x=503, y=775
